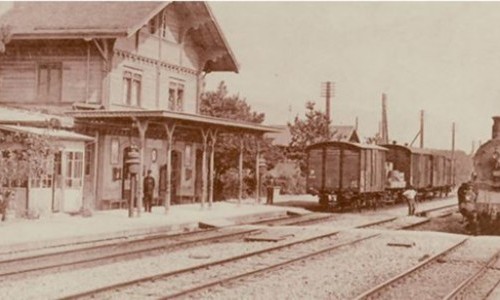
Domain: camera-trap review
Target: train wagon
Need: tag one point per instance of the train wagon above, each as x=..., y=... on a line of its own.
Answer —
x=345, y=174
x=414, y=163
x=442, y=174
x=427, y=171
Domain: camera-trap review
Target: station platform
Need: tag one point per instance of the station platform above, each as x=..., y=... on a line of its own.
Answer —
x=62, y=229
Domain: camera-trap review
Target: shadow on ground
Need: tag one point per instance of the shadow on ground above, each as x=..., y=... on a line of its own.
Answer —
x=300, y=204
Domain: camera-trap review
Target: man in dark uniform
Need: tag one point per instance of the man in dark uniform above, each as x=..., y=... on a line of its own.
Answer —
x=149, y=186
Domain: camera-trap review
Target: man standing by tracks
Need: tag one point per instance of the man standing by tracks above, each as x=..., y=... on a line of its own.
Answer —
x=410, y=194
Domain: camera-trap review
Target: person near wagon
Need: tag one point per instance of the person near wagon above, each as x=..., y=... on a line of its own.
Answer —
x=410, y=195
x=149, y=186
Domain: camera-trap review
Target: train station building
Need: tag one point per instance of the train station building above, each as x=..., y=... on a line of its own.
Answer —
x=124, y=73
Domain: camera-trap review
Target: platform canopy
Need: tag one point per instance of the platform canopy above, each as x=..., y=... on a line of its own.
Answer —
x=117, y=120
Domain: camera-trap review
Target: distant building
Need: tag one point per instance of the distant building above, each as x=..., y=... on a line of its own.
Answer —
x=340, y=133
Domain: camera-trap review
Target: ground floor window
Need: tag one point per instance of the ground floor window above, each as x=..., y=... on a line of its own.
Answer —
x=46, y=179
x=74, y=169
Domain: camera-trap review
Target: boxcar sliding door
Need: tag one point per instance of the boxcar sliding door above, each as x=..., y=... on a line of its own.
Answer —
x=350, y=171
x=332, y=168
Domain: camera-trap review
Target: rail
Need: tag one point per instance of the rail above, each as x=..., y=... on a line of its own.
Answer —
x=375, y=290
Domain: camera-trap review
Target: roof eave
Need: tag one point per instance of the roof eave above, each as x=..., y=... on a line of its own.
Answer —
x=236, y=65
x=68, y=35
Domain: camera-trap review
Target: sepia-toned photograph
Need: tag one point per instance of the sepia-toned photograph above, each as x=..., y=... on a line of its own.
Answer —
x=249, y=150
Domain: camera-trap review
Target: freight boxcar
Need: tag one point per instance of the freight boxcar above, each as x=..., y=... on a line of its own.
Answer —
x=346, y=174
x=427, y=171
x=442, y=174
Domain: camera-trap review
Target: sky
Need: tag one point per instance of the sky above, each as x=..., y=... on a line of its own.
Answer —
x=440, y=57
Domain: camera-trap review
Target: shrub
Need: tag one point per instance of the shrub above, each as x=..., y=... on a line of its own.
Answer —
x=229, y=183
x=289, y=177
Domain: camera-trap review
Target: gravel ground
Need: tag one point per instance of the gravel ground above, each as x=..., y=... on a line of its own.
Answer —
x=451, y=224
x=339, y=275
x=442, y=276
x=480, y=288
x=495, y=295
x=354, y=220
x=66, y=283
x=479, y=248
x=399, y=223
x=432, y=282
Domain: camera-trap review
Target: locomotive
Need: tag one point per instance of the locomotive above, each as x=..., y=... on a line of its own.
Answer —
x=345, y=174
x=479, y=199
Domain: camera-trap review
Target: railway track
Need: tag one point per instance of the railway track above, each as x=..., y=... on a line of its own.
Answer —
x=102, y=254
x=23, y=267
x=446, y=210
x=187, y=281
x=433, y=278
x=480, y=284
x=107, y=252
x=190, y=280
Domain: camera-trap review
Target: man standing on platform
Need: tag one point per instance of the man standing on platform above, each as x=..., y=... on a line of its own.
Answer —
x=149, y=186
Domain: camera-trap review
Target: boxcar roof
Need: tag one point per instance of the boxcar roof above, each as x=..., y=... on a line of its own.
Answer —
x=415, y=150
x=346, y=144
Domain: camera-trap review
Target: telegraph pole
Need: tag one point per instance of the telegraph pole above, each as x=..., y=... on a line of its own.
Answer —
x=328, y=92
x=422, y=128
x=385, y=129
x=453, y=152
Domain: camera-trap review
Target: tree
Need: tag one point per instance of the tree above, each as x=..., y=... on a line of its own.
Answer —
x=305, y=132
x=222, y=105
x=24, y=157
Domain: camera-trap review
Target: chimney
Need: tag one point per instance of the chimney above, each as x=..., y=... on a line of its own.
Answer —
x=496, y=128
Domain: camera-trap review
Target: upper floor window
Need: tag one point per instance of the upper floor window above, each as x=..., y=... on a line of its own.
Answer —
x=49, y=84
x=153, y=25
x=165, y=25
x=176, y=96
x=132, y=88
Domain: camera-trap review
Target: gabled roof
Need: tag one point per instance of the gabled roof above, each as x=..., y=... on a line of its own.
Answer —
x=96, y=19
x=93, y=19
x=340, y=133
x=344, y=134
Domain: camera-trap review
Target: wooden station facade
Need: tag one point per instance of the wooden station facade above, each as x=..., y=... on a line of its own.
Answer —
x=128, y=73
